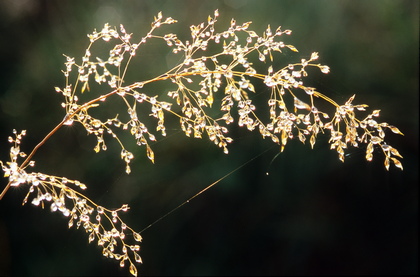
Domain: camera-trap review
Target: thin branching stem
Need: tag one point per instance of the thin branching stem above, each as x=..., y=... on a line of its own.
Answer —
x=199, y=84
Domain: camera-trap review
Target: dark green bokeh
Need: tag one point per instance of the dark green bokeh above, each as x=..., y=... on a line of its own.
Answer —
x=312, y=215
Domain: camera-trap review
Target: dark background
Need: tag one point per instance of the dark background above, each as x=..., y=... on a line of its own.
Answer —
x=312, y=215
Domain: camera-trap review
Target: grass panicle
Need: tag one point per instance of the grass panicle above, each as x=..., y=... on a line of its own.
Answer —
x=218, y=71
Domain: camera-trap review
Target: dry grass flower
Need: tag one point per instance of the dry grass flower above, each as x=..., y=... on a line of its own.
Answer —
x=201, y=82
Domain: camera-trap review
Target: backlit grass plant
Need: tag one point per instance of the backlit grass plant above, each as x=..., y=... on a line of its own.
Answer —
x=217, y=71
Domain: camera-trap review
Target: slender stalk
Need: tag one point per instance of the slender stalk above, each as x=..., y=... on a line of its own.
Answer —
x=53, y=131
x=29, y=157
x=5, y=190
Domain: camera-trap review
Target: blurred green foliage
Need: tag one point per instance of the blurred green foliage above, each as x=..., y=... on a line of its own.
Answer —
x=310, y=215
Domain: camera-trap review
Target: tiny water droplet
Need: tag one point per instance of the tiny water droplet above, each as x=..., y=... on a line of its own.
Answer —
x=68, y=122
